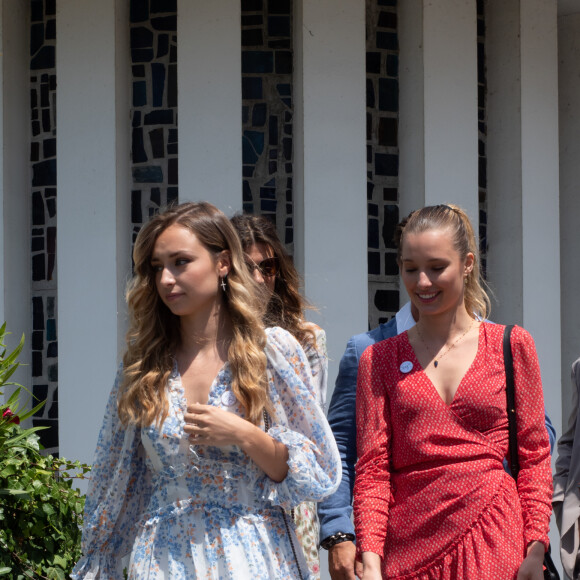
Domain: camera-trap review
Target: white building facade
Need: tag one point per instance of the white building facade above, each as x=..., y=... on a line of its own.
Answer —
x=334, y=122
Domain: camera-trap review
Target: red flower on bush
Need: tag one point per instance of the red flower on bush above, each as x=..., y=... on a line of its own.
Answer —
x=12, y=418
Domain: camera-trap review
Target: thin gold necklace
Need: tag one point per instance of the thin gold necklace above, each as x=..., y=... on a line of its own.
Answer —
x=438, y=357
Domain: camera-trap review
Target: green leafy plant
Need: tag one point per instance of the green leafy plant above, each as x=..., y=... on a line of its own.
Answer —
x=40, y=511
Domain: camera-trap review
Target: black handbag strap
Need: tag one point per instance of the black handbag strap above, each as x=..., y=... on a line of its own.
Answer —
x=511, y=401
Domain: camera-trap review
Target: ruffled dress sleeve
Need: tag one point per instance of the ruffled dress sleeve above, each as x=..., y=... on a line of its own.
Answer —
x=299, y=423
x=318, y=360
x=372, y=488
x=118, y=492
x=535, y=476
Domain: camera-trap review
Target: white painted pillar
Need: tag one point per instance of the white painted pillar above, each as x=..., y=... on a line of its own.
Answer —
x=93, y=243
x=209, y=99
x=569, y=111
x=330, y=167
x=15, y=270
x=438, y=132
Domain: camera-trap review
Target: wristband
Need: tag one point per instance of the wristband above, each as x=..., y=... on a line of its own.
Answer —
x=337, y=538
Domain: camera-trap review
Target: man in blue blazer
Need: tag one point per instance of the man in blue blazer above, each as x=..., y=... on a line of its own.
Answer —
x=336, y=527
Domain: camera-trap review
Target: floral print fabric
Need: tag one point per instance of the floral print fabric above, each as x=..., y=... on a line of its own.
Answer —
x=166, y=509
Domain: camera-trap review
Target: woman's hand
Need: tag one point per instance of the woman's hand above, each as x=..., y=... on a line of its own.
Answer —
x=209, y=425
x=371, y=566
x=342, y=564
x=532, y=566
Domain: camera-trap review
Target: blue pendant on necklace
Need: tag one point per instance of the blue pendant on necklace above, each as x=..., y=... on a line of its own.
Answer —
x=435, y=363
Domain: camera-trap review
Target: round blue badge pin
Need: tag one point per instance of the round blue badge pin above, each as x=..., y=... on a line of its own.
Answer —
x=406, y=366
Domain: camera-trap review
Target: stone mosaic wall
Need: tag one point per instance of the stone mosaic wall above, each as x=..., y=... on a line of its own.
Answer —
x=154, y=107
x=482, y=125
x=382, y=88
x=267, y=112
x=44, y=339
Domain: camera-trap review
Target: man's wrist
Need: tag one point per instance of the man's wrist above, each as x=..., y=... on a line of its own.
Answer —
x=337, y=538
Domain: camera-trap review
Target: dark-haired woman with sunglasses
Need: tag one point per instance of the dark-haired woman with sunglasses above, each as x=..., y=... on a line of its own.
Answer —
x=270, y=265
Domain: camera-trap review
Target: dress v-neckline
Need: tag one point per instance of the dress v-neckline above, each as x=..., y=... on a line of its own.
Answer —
x=461, y=381
x=212, y=386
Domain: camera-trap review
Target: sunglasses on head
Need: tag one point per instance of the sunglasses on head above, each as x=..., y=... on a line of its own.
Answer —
x=267, y=267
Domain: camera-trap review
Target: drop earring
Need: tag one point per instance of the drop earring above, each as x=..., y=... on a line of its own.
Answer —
x=223, y=283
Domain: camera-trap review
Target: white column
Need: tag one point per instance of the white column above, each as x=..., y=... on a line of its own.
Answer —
x=569, y=110
x=93, y=244
x=15, y=271
x=438, y=133
x=209, y=101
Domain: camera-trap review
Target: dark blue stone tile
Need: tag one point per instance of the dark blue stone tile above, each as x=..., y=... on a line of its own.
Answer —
x=270, y=183
x=267, y=193
x=373, y=234
x=138, y=152
x=44, y=95
x=37, y=209
x=172, y=193
x=172, y=138
x=369, y=154
x=37, y=313
x=273, y=154
x=34, y=151
x=52, y=82
x=52, y=373
x=257, y=61
x=287, y=149
x=252, y=20
x=248, y=208
x=390, y=194
x=247, y=170
x=136, y=212
x=50, y=33
x=139, y=93
x=160, y=117
x=288, y=167
x=51, y=240
x=36, y=364
x=481, y=27
x=44, y=58
x=172, y=85
x=259, y=115
x=37, y=244
x=157, y=143
x=273, y=130
x=36, y=10
x=33, y=99
x=173, y=53
x=40, y=393
x=158, y=80
x=44, y=78
x=388, y=20
x=245, y=114
x=284, y=89
x=289, y=183
x=389, y=95
x=393, y=65
x=136, y=119
x=256, y=139
x=34, y=114
x=160, y=6
x=38, y=268
x=386, y=164
x=168, y=23
x=172, y=149
x=37, y=340
x=279, y=6
x=370, y=93
x=279, y=26
x=268, y=205
x=139, y=10
x=283, y=62
x=370, y=189
x=287, y=116
x=482, y=177
x=155, y=196
x=50, y=7
x=151, y=174
x=391, y=266
x=252, y=37
x=387, y=40
x=138, y=71
x=246, y=191
x=49, y=148
x=50, y=329
x=374, y=263
x=141, y=37
x=53, y=411
x=46, y=125
x=251, y=5
x=49, y=436
x=387, y=300
x=480, y=62
x=288, y=127
x=248, y=153
x=289, y=237
x=35, y=128
x=51, y=207
x=369, y=126
x=50, y=304
x=162, y=45
x=280, y=44
x=36, y=37
x=289, y=208
x=390, y=222
x=272, y=167
x=373, y=209
x=388, y=3
x=172, y=171
x=373, y=62
x=388, y=131
x=141, y=55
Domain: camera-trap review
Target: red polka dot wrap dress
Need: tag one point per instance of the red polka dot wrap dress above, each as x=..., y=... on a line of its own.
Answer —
x=431, y=496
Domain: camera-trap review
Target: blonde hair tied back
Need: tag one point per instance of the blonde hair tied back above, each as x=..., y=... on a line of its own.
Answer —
x=453, y=218
x=154, y=331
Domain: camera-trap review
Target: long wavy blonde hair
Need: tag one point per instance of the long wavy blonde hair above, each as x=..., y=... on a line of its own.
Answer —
x=154, y=331
x=452, y=217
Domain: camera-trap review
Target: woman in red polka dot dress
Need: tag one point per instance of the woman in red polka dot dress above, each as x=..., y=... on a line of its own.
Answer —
x=432, y=500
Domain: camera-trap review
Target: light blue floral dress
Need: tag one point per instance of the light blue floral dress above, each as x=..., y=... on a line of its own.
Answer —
x=165, y=509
